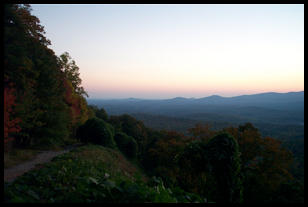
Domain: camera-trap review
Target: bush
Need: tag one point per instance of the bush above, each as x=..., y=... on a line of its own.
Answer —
x=126, y=144
x=132, y=127
x=224, y=157
x=101, y=113
x=96, y=131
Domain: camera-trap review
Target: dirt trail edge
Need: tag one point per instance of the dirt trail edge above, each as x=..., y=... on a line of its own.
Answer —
x=12, y=173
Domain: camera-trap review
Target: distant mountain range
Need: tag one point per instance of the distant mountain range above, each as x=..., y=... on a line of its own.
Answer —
x=277, y=115
x=276, y=108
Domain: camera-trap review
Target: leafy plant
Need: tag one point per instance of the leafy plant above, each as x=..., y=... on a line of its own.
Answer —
x=96, y=131
x=126, y=144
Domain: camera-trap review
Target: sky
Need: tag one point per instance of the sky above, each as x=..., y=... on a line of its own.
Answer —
x=167, y=51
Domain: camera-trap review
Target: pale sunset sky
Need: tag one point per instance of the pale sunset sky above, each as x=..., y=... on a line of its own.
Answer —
x=166, y=51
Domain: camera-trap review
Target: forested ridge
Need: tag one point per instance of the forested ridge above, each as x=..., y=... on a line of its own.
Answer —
x=123, y=160
x=44, y=99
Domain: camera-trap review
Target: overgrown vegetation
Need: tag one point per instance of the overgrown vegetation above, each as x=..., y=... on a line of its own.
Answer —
x=126, y=144
x=96, y=131
x=92, y=174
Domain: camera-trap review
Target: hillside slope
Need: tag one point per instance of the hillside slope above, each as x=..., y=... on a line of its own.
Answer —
x=91, y=173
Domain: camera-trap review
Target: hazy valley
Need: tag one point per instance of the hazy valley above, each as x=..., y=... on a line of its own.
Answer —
x=266, y=108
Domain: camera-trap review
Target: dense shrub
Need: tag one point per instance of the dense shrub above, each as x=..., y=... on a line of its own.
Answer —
x=160, y=158
x=96, y=131
x=213, y=168
x=132, y=127
x=126, y=144
x=224, y=157
x=99, y=112
x=194, y=165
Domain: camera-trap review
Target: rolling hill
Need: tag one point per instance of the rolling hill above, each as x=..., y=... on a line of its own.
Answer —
x=274, y=108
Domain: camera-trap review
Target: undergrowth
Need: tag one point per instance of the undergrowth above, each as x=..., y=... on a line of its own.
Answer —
x=92, y=174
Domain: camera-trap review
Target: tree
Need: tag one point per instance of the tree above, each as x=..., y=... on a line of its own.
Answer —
x=126, y=144
x=132, y=127
x=249, y=140
x=202, y=132
x=77, y=106
x=96, y=131
x=71, y=71
x=193, y=162
x=265, y=163
x=99, y=113
x=224, y=157
x=31, y=24
x=74, y=92
x=213, y=165
x=34, y=71
x=161, y=158
x=10, y=123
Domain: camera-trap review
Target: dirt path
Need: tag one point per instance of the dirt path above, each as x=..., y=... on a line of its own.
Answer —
x=12, y=173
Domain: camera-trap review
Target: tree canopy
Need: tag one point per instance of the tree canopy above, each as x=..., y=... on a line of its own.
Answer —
x=39, y=100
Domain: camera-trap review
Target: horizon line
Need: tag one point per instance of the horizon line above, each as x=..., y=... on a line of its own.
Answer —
x=196, y=98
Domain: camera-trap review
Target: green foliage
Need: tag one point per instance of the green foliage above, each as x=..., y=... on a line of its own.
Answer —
x=48, y=109
x=96, y=131
x=71, y=71
x=195, y=152
x=126, y=144
x=99, y=113
x=33, y=69
x=217, y=161
x=194, y=164
x=224, y=156
x=160, y=158
x=91, y=112
x=132, y=127
x=214, y=161
x=77, y=177
x=266, y=164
